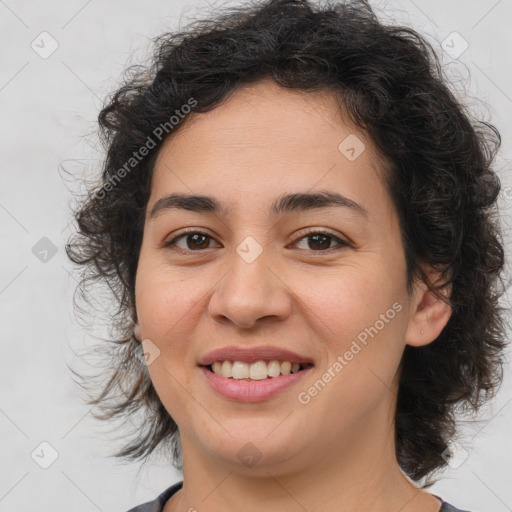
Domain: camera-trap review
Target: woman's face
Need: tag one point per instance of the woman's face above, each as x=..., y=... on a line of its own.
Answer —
x=254, y=277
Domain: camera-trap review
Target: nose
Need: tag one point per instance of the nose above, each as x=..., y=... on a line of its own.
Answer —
x=251, y=292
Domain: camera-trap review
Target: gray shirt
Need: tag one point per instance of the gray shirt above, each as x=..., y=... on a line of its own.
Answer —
x=157, y=505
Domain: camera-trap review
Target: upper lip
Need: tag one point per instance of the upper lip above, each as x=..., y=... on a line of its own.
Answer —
x=251, y=355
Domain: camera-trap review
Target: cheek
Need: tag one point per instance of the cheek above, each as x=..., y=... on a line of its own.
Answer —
x=347, y=300
x=167, y=308
x=359, y=316
x=362, y=328
x=166, y=300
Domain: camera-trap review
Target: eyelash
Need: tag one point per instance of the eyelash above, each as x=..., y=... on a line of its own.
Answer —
x=342, y=244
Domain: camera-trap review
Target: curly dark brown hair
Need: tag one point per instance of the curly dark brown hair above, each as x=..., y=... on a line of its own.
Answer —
x=440, y=176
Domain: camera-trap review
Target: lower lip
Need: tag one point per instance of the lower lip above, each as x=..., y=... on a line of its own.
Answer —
x=254, y=390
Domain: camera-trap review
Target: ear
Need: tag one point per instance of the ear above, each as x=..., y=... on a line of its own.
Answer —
x=429, y=314
x=136, y=329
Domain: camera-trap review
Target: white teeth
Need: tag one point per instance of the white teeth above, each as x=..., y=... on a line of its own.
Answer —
x=217, y=368
x=240, y=370
x=226, y=369
x=259, y=370
x=274, y=369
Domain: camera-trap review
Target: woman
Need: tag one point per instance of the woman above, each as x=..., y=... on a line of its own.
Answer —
x=295, y=216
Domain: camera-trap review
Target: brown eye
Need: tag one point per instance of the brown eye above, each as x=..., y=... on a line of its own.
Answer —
x=319, y=241
x=194, y=241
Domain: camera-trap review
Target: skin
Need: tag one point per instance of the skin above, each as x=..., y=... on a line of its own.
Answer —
x=337, y=452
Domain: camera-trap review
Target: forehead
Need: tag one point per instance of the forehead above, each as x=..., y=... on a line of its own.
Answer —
x=264, y=141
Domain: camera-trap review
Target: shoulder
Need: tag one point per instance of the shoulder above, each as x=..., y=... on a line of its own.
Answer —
x=446, y=507
x=158, y=503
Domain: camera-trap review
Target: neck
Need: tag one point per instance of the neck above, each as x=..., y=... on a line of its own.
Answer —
x=361, y=474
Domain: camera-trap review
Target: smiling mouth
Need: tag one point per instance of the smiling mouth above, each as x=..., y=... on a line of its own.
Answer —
x=259, y=371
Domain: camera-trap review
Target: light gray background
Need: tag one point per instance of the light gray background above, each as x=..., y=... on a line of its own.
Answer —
x=47, y=107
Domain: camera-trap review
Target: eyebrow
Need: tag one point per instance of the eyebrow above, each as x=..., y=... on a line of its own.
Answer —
x=284, y=204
